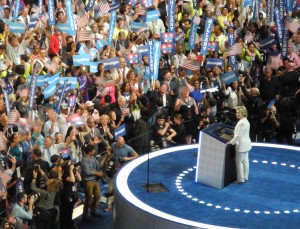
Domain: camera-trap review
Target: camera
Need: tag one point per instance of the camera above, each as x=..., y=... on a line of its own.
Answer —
x=36, y=168
x=36, y=196
x=110, y=167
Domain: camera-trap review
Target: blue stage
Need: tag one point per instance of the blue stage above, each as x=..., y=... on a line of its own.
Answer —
x=270, y=199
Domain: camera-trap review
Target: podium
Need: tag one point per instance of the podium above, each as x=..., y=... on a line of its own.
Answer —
x=216, y=160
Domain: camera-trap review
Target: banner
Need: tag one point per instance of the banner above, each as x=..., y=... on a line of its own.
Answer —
x=171, y=16
x=111, y=63
x=112, y=24
x=121, y=131
x=89, y=5
x=63, y=27
x=70, y=16
x=211, y=62
x=152, y=15
x=53, y=79
x=231, y=42
x=278, y=23
x=51, y=11
x=280, y=5
x=228, y=77
x=7, y=104
x=285, y=40
x=206, y=36
x=40, y=7
x=49, y=90
x=72, y=101
x=151, y=57
x=270, y=12
x=81, y=60
x=192, y=35
x=17, y=9
x=16, y=27
x=256, y=9
x=32, y=91
x=156, y=53
x=135, y=26
x=61, y=97
x=33, y=21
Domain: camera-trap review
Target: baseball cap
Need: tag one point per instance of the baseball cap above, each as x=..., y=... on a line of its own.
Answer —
x=89, y=103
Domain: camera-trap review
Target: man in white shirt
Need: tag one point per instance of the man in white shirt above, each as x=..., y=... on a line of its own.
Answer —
x=51, y=126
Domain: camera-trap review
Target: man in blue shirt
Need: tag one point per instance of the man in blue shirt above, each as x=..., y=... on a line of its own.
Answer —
x=91, y=172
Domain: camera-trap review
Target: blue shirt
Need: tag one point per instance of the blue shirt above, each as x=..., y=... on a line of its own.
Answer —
x=90, y=165
x=120, y=152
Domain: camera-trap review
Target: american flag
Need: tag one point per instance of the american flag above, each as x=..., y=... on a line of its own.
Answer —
x=235, y=49
x=82, y=21
x=248, y=37
x=13, y=117
x=104, y=7
x=196, y=20
x=9, y=88
x=5, y=177
x=80, y=7
x=274, y=62
x=292, y=24
x=3, y=142
x=44, y=20
x=83, y=35
x=192, y=65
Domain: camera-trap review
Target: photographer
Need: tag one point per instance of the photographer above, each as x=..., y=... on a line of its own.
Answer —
x=44, y=206
x=68, y=196
x=20, y=210
x=270, y=125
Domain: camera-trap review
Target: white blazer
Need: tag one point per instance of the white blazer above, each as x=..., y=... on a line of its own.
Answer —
x=241, y=138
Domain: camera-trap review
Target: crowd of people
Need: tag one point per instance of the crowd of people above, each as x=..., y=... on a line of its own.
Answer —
x=56, y=138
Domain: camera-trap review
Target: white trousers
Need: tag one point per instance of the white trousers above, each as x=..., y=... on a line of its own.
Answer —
x=242, y=166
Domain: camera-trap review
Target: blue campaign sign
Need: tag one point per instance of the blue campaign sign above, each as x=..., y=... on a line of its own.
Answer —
x=143, y=50
x=228, y=77
x=72, y=80
x=211, y=62
x=83, y=59
x=49, y=90
x=94, y=67
x=206, y=37
x=247, y=3
x=64, y=28
x=135, y=26
x=121, y=131
x=111, y=63
x=16, y=27
x=152, y=15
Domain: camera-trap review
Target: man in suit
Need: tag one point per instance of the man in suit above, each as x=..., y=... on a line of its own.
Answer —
x=242, y=143
x=94, y=134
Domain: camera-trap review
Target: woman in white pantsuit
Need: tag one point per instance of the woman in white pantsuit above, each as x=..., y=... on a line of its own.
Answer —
x=242, y=143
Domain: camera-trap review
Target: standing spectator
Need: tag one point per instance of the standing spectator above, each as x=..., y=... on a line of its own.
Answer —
x=91, y=172
x=55, y=44
x=187, y=106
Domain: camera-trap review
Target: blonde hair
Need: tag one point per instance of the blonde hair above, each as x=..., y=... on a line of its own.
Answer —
x=243, y=111
x=104, y=116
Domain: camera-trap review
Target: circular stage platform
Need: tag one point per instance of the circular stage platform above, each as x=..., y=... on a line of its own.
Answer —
x=270, y=199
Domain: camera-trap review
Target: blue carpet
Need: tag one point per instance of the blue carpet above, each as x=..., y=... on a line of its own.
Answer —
x=268, y=200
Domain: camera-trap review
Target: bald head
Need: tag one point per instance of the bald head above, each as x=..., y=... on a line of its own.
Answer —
x=120, y=141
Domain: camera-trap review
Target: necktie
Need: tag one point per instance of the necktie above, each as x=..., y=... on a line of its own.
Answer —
x=95, y=39
x=49, y=157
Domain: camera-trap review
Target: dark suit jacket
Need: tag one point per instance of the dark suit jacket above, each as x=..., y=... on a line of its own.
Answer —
x=162, y=10
x=157, y=101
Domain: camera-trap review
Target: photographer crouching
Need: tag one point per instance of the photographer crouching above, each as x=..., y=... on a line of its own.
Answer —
x=44, y=207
